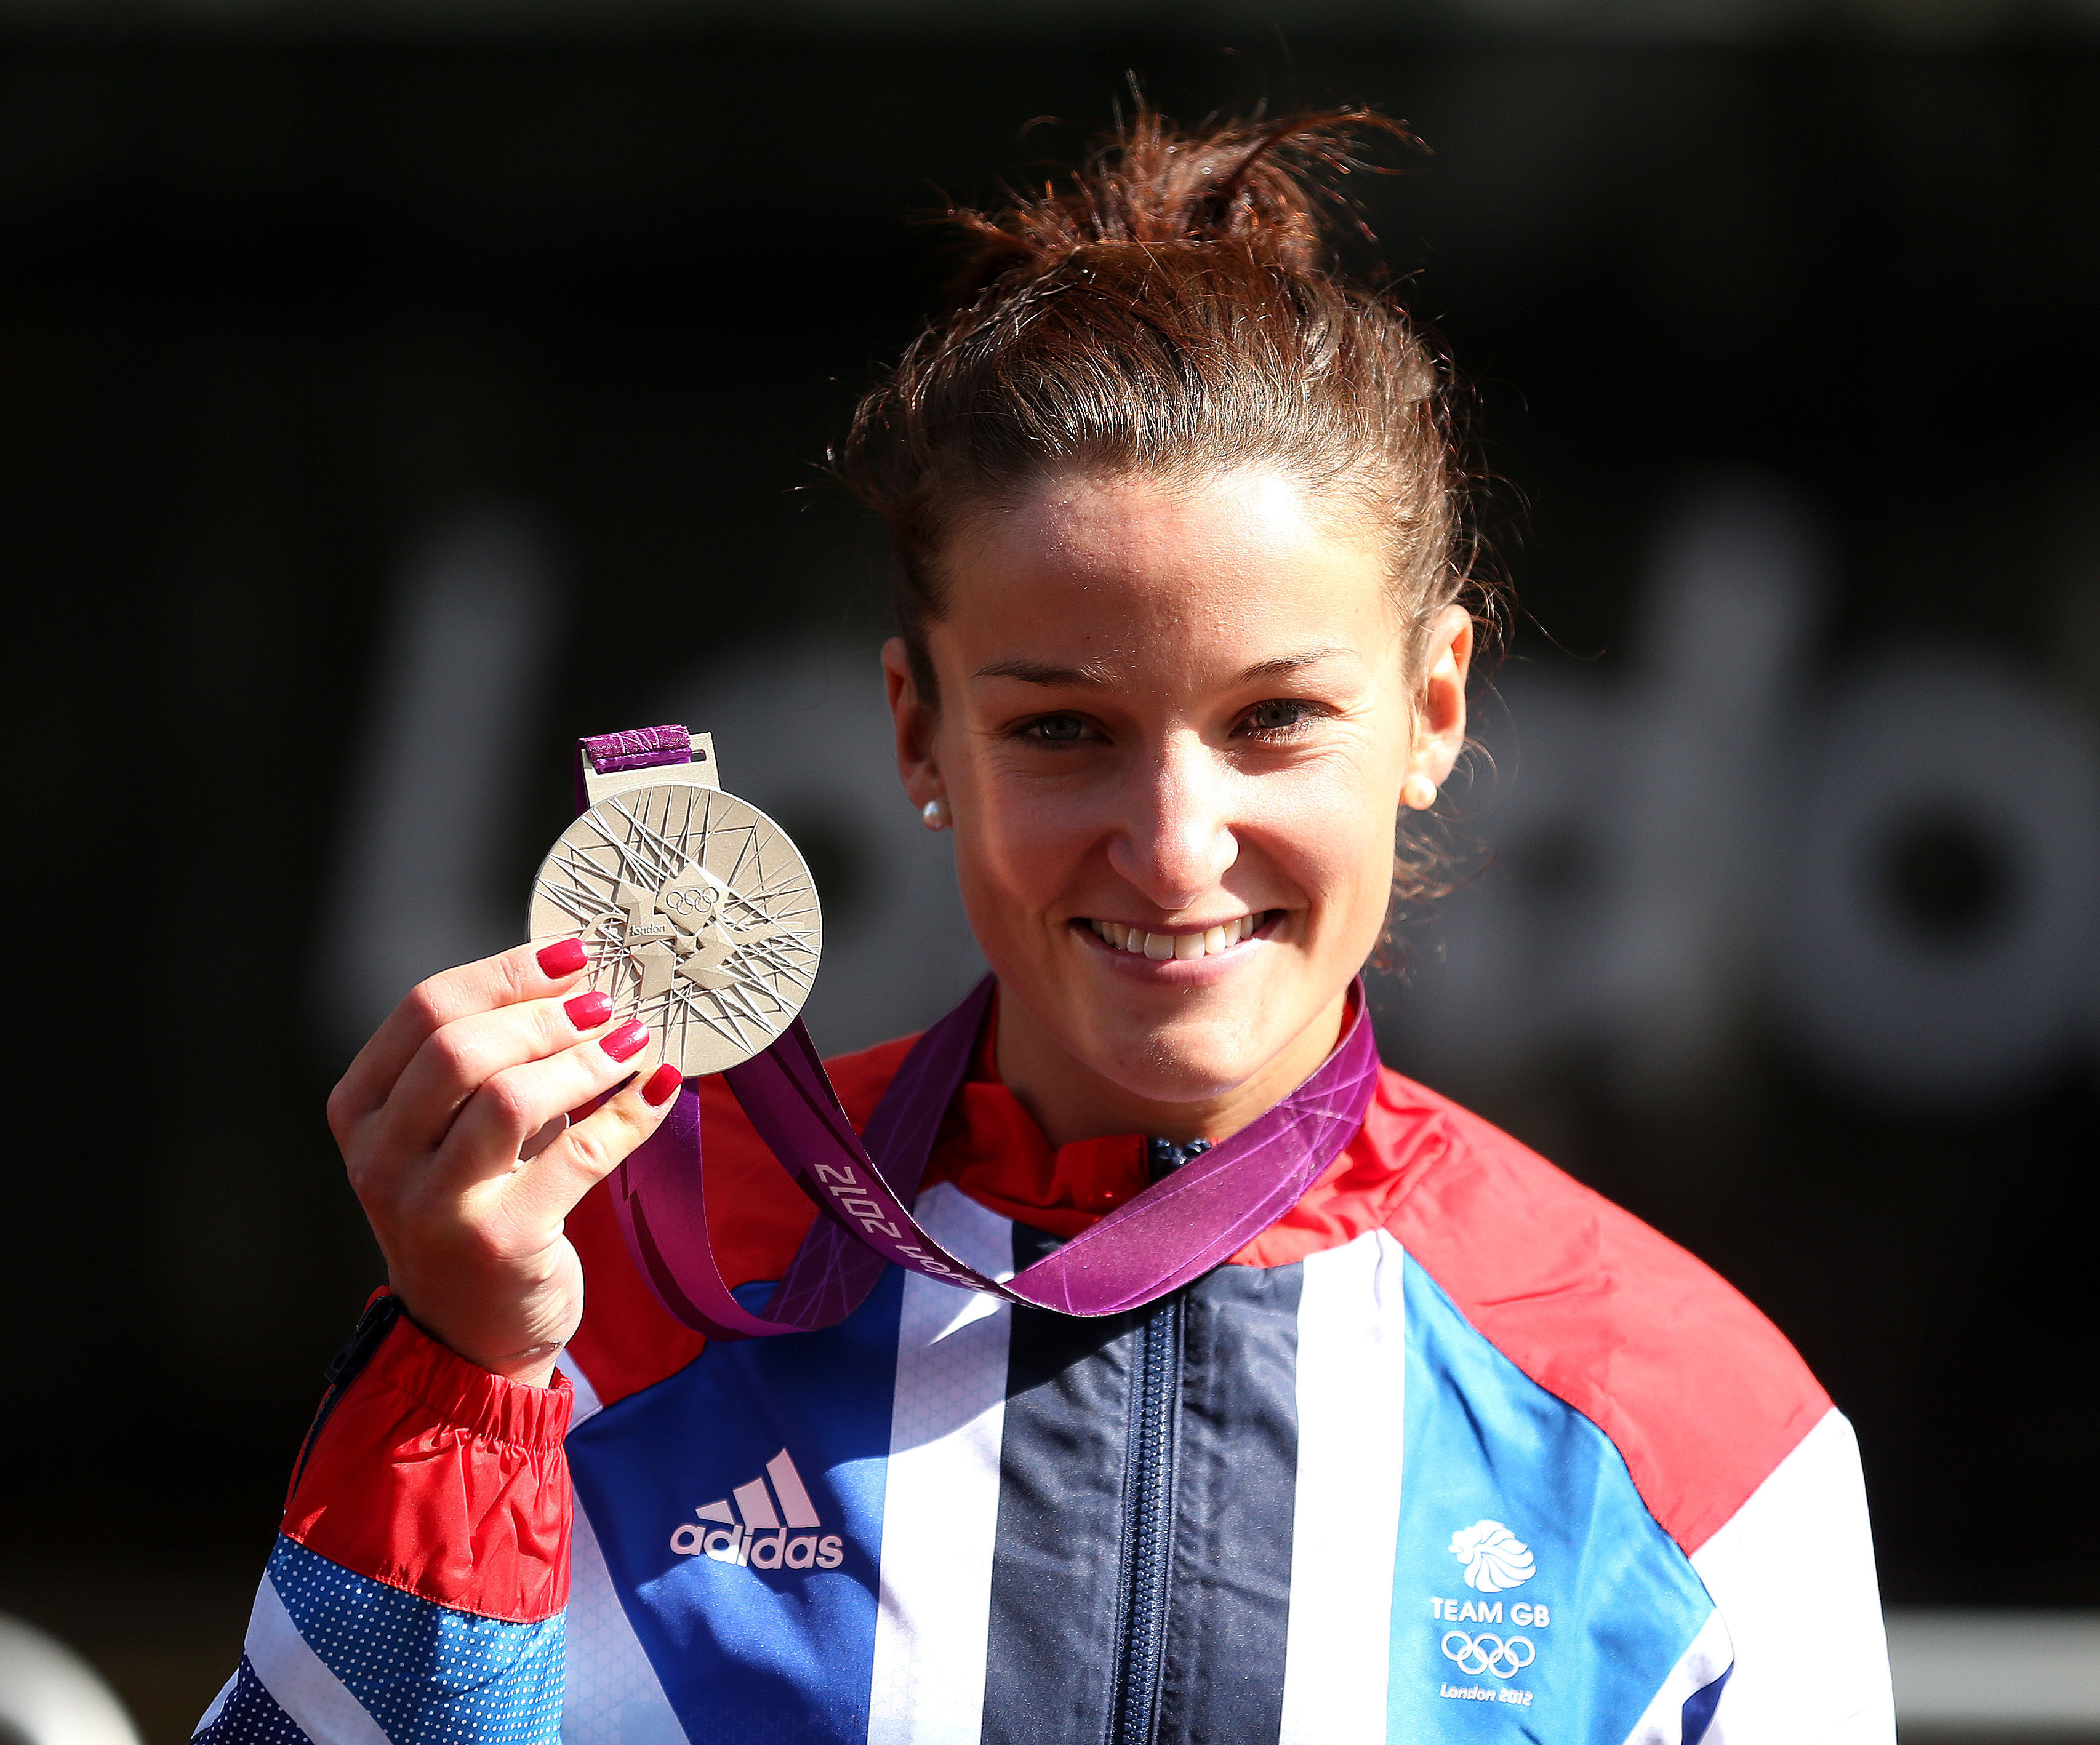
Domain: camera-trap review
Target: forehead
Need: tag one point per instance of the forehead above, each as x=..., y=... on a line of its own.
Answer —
x=1240, y=547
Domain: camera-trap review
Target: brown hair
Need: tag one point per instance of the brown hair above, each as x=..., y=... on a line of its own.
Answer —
x=1174, y=310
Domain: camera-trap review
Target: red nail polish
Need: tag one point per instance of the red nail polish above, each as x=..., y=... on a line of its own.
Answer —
x=627, y=1042
x=587, y=1011
x=565, y=957
x=663, y=1085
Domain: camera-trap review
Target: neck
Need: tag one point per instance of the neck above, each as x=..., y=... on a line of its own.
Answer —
x=1071, y=1101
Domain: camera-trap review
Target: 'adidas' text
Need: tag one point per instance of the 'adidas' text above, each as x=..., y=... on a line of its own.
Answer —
x=754, y=1535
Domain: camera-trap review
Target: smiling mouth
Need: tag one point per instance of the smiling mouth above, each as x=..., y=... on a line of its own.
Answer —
x=1205, y=943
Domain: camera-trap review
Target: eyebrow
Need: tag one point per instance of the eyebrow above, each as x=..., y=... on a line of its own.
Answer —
x=1042, y=672
x=1284, y=665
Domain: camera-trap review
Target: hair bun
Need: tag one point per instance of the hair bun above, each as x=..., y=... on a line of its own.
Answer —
x=1268, y=186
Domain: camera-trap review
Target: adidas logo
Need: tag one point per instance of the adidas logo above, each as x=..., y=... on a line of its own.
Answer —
x=755, y=1535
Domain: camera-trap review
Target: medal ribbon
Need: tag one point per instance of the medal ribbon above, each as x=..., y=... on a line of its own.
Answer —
x=1176, y=1230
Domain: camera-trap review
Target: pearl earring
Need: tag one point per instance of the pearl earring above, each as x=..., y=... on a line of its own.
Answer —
x=935, y=813
x=1418, y=793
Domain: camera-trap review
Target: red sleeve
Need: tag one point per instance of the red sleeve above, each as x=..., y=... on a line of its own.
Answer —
x=433, y=1475
x=628, y=1340
x=1702, y=1395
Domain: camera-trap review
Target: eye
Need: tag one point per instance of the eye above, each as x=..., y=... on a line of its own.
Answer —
x=1277, y=717
x=1055, y=729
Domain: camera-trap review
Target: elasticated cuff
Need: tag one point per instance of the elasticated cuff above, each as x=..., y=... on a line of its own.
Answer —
x=433, y=1475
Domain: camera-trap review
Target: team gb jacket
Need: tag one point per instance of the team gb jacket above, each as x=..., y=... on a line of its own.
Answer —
x=1456, y=1451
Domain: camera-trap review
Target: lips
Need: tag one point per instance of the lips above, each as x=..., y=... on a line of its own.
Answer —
x=1205, y=942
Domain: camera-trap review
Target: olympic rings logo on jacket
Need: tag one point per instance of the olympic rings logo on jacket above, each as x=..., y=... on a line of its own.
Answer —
x=1486, y=1653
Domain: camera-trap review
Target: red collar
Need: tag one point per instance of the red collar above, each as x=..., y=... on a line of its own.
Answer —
x=991, y=1147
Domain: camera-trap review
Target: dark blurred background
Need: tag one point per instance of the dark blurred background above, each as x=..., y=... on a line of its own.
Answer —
x=388, y=394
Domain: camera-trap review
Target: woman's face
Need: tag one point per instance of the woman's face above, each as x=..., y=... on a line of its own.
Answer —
x=1172, y=729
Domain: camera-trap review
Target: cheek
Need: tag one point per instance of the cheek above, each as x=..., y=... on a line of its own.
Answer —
x=1336, y=841
x=1022, y=840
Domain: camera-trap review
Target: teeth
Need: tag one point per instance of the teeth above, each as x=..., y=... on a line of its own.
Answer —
x=1185, y=947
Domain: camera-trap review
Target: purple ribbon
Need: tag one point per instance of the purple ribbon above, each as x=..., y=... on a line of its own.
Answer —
x=636, y=748
x=1175, y=1230
x=639, y=748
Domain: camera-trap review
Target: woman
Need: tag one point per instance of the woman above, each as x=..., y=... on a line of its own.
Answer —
x=1451, y=1449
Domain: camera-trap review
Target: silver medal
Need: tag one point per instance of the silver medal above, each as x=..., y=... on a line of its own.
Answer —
x=697, y=911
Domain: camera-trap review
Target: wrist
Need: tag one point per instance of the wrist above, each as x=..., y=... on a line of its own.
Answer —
x=535, y=1367
x=532, y=1365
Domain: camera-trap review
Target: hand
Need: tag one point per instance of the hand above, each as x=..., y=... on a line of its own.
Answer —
x=454, y=1124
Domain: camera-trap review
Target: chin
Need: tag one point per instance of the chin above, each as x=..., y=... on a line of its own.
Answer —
x=1178, y=1056
x=1169, y=1069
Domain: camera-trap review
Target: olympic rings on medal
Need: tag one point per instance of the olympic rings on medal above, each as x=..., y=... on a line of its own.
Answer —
x=1486, y=1653
x=691, y=901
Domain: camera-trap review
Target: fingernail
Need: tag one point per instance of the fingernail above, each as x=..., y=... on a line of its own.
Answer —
x=565, y=957
x=627, y=1042
x=663, y=1085
x=587, y=1011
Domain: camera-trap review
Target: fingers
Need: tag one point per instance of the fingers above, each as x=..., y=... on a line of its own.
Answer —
x=511, y=1106
x=596, y=1145
x=525, y=972
x=457, y=1060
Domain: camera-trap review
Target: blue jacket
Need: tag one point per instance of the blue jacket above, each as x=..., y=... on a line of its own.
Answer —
x=1455, y=1450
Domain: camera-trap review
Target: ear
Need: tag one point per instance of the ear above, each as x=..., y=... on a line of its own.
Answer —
x=917, y=764
x=1440, y=700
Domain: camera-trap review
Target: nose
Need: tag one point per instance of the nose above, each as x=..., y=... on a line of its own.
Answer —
x=1175, y=839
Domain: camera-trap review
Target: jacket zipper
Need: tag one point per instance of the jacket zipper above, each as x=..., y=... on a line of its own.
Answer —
x=1148, y=1524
